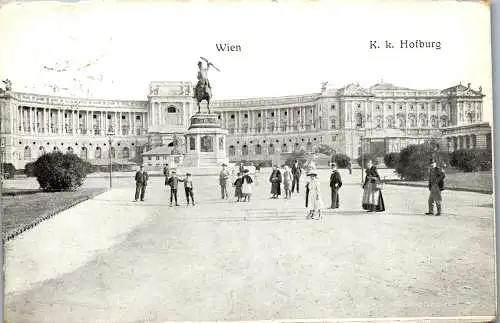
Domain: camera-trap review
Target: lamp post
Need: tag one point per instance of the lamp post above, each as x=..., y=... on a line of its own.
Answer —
x=110, y=135
x=362, y=157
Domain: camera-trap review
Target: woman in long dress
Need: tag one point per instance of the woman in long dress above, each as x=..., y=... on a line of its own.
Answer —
x=287, y=182
x=372, y=196
x=314, y=202
x=246, y=187
x=275, y=180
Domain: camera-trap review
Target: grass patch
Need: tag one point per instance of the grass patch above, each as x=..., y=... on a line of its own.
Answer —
x=475, y=181
x=21, y=212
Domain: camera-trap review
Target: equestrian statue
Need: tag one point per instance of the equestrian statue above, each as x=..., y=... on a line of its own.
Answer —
x=203, y=89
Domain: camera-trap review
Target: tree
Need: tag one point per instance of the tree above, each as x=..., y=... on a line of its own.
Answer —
x=29, y=169
x=341, y=160
x=471, y=160
x=9, y=171
x=60, y=172
x=365, y=158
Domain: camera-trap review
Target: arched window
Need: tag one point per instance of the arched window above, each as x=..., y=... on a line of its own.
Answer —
x=296, y=147
x=41, y=150
x=27, y=152
x=232, y=150
x=359, y=120
x=413, y=120
x=113, y=152
x=470, y=117
x=271, y=126
x=434, y=122
x=380, y=122
x=171, y=109
x=84, y=153
x=333, y=123
x=271, y=149
x=258, y=149
x=390, y=122
x=423, y=121
x=56, y=149
x=98, y=152
x=444, y=121
x=244, y=150
x=401, y=122
x=69, y=150
x=125, y=152
x=309, y=146
x=284, y=148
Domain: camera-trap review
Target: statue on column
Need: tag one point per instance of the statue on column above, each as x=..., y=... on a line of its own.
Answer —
x=8, y=85
x=203, y=89
x=175, y=144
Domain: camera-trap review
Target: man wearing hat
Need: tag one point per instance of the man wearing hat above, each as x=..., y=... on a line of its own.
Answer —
x=436, y=185
x=335, y=185
x=173, y=182
x=223, y=178
x=141, y=181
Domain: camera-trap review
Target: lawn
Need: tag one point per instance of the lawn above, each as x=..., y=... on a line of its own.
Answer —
x=22, y=211
x=475, y=181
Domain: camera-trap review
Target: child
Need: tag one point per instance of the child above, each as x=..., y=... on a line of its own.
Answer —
x=237, y=187
x=246, y=187
x=188, y=188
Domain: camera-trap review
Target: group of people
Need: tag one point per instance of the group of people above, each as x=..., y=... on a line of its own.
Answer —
x=372, y=200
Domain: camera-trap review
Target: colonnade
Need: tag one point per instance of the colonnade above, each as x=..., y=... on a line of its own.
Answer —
x=61, y=121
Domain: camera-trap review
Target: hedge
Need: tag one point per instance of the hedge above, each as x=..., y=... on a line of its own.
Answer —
x=471, y=160
x=29, y=169
x=342, y=160
x=414, y=161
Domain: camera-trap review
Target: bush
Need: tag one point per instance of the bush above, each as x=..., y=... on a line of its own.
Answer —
x=366, y=158
x=342, y=160
x=325, y=149
x=301, y=157
x=60, y=172
x=414, y=161
x=391, y=160
x=8, y=170
x=29, y=169
x=471, y=160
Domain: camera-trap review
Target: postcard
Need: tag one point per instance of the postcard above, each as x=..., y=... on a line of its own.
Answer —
x=288, y=161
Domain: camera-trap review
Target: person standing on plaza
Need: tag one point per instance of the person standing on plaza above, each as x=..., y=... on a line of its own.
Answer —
x=246, y=187
x=372, y=194
x=188, y=188
x=141, y=181
x=238, y=183
x=166, y=173
x=287, y=182
x=242, y=168
x=275, y=180
x=349, y=166
x=314, y=202
x=335, y=185
x=173, y=182
x=296, y=173
x=436, y=185
x=223, y=178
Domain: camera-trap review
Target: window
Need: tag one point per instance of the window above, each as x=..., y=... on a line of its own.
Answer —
x=359, y=120
x=333, y=106
x=333, y=123
x=232, y=150
x=171, y=109
x=157, y=157
x=97, y=153
x=244, y=150
x=271, y=149
x=192, y=143
x=149, y=157
x=27, y=152
x=126, y=153
x=284, y=148
x=258, y=150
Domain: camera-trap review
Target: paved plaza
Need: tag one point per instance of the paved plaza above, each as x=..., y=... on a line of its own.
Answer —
x=112, y=260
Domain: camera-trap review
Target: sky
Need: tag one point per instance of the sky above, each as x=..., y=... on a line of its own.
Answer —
x=286, y=48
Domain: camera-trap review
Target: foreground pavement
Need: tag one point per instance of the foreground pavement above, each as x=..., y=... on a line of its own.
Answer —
x=112, y=260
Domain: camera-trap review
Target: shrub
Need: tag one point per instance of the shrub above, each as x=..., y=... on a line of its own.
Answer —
x=341, y=160
x=29, y=169
x=301, y=157
x=325, y=149
x=8, y=170
x=414, y=161
x=57, y=171
x=366, y=158
x=391, y=160
x=470, y=160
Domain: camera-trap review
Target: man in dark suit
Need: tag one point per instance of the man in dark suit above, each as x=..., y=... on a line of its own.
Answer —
x=296, y=172
x=166, y=173
x=436, y=185
x=141, y=181
x=335, y=185
x=173, y=182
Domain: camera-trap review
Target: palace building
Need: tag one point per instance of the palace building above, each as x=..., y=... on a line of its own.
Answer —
x=380, y=119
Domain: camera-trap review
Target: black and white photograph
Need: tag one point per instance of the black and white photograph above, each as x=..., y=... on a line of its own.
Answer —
x=288, y=161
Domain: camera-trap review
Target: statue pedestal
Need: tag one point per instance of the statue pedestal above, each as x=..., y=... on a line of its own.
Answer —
x=205, y=142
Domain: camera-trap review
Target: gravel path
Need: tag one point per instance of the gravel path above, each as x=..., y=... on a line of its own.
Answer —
x=110, y=259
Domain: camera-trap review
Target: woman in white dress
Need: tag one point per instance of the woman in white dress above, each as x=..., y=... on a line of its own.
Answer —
x=314, y=203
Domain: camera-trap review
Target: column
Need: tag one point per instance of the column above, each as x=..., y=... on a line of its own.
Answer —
x=21, y=118
x=73, y=122
x=119, y=116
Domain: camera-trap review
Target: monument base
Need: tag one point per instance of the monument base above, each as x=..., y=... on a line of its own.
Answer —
x=205, y=142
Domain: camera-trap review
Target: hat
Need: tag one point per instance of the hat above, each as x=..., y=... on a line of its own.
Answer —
x=188, y=174
x=245, y=170
x=224, y=164
x=312, y=173
x=173, y=172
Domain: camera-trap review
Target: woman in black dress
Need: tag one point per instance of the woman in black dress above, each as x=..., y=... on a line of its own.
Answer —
x=372, y=196
x=275, y=180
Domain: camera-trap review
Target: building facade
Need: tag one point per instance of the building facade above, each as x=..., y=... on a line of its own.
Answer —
x=380, y=119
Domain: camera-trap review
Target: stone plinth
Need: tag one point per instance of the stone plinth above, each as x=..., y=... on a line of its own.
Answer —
x=205, y=142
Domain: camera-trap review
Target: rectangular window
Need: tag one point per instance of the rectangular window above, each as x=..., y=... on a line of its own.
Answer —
x=149, y=157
